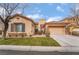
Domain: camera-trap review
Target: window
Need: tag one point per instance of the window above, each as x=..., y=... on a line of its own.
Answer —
x=20, y=27
x=17, y=27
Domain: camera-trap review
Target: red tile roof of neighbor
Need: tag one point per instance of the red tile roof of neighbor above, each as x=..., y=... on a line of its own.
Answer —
x=23, y=17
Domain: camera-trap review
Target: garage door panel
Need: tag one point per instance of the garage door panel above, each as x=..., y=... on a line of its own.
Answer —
x=57, y=30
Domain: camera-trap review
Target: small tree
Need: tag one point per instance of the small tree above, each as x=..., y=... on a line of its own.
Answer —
x=8, y=10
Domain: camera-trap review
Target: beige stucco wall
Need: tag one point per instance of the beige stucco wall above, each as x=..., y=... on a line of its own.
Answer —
x=29, y=29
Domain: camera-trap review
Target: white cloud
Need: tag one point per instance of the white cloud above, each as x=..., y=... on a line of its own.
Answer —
x=58, y=8
x=35, y=16
x=56, y=18
x=18, y=11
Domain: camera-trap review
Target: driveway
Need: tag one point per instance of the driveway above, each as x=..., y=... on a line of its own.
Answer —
x=67, y=40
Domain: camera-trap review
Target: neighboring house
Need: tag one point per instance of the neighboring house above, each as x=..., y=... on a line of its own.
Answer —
x=20, y=25
x=40, y=27
x=73, y=24
x=41, y=24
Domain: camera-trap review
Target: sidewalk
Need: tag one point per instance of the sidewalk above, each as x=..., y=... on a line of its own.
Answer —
x=39, y=48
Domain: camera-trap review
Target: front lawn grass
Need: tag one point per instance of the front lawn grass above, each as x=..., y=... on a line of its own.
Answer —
x=33, y=41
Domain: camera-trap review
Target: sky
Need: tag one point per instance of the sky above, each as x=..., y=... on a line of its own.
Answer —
x=47, y=11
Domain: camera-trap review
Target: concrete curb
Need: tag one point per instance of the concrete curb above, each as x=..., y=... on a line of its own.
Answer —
x=39, y=48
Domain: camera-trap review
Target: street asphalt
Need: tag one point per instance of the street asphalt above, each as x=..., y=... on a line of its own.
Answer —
x=12, y=52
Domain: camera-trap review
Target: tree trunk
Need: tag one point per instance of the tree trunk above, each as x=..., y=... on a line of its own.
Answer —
x=4, y=34
x=5, y=30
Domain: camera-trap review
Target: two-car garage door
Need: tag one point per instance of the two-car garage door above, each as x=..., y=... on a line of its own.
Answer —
x=57, y=30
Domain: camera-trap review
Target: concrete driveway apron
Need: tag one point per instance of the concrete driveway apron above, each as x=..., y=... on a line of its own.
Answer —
x=67, y=40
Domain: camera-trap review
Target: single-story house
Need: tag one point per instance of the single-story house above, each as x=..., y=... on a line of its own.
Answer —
x=20, y=25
